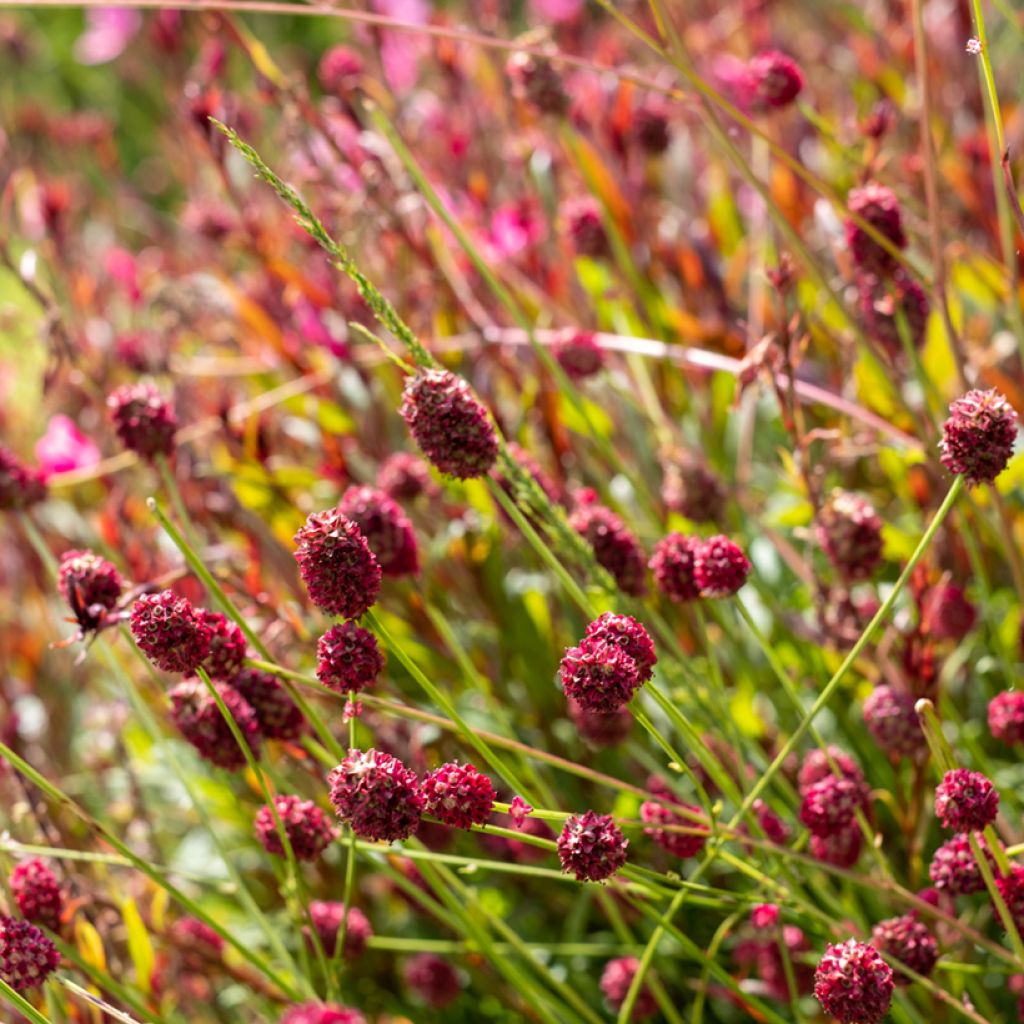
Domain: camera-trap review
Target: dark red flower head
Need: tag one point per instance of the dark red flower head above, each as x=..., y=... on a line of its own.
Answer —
x=458, y=795
x=842, y=848
x=879, y=207
x=348, y=658
x=891, y=719
x=816, y=766
x=977, y=439
x=1006, y=716
x=578, y=353
x=673, y=564
x=27, y=956
x=630, y=635
x=776, y=79
x=309, y=830
x=433, y=979
x=322, y=1013
x=199, y=720
x=691, y=489
x=387, y=529
x=830, y=805
x=537, y=82
x=720, y=568
x=585, y=227
x=947, y=614
x=1011, y=888
x=327, y=917
x=616, y=979
x=170, y=631
x=966, y=801
x=908, y=940
x=37, y=892
x=90, y=585
x=591, y=847
x=450, y=424
x=144, y=419
x=598, y=675
x=601, y=728
x=377, y=795
x=616, y=548
x=881, y=298
x=954, y=868
x=339, y=70
x=650, y=127
x=227, y=646
x=20, y=485
x=276, y=713
x=680, y=844
x=404, y=477
x=341, y=573
x=853, y=983
x=850, y=533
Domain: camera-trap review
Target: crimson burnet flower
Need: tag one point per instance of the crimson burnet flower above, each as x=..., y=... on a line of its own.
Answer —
x=764, y=916
x=954, y=868
x=578, y=353
x=601, y=728
x=850, y=533
x=978, y=437
x=630, y=635
x=853, y=983
x=1011, y=888
x=519, y=810
x=650, y=128
x=690, y=488
x=720, y=568
x=1006, y=716
x=908, y=940
x=585, y=227
x=776, y=79
x=774, y=828
x=616, y=548
x=616, y=979
x=309, y=830
x=830, y=805
x=20, y=485
x=766, y=956
x=90, y=585
x=891, y=719
x=591, y=847
x=387, y=529
x=598, y=675
x=199, y=720
x=327, y=917
x=673, y=565
x=879, y=207
x=277, y=715
x=816, y=766
x=37, y=892
x=841, y=849
x=341, y=573
x=190, y=931
x=458, y=795
x=27, y=956
x=144, y=419
x=450, y=424
x=348, y=658
x=433, y=979
x=404, y=477
x=170, y=631
x=227, y=646
x=339, y=70
x=947, y=613
x=322, y=1013
x=537, y=82
x=377, y=795
x=880, y=298
x=966, y=801
x=680, y=844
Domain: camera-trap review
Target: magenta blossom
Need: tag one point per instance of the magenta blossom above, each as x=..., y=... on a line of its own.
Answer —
x=64, y=447
x=108, y=31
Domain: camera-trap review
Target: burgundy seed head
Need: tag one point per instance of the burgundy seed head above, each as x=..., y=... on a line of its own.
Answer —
x=966, y=801
x=816, y=767
x=679, y=844
x=458, y=795
x=908, y=940
x=880, y=298
x=27, y=956
x=591, y=847
x=853, y=983
x=600, y=728
x=616, y=548
x=841, y=849
x=322, y=1013
x=449, y=423
x=191, y=932
x=947, y=614
x=850, y=533
x=377, y=795
x=774, y=828
x=339, y=70
x=651, y=128
x=276, y=713
x=538, y=82
x=880, y=208
x=616, y=979
x=673, y=565
x=690, y=488
x=20, y=485
x=720, y=568
x=767, y=958
x=1011, y=888
x=598, y=675
x=627, y=633
x=341, y=573
x=170, y=631
x=327, y=917
x=433, y=979
x=404, y=477
x=90, y=585
x=578, y=353
x=198, y=719
x=1006, y=716
x=348, y=658
x=891, y=719
x=227, y=646
x=387, y=529
x=144, y=419
x=309, y=830
x=977, y=439
x=37, y=892
x=830, y=805
x=954, y=868
x=776, y=79
x=764, y=916
x=584, y=226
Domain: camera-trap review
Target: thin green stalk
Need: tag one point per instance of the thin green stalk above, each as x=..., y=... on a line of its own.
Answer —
x=22, y=1005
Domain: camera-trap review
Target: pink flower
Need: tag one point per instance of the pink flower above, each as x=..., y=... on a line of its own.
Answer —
x=123, y=268
x=64, y=447
x=556, y=10
x=108, y=31
x=518, y=810
x=400, y=52
x=515, y=227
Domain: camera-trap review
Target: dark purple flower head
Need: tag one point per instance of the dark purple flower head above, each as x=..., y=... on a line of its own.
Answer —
x=966, y=801
x=947, y=613
x=591, y=847
x=841, y=849
x=377, y=795
x=600, y=728
x=450, y=424
x=853, y=983
x=348, y=658
x=1011, y=888
x=538, y=82
x=90, y=585
x=20, y=485
x=199, y=720
x=816, y=767
x=850, y=533
x=387, y=529
x=585, y=227
x=1006, y=716
x=879, y=207
x=339, y=70
x=340, y=571
x=908, y=940
x=881, y=298
x=170, y=631
x=144, y=419
x=458, y=795
x=404, y=477
x=680, y=844
x=598, y=675
x=720, y=568
x=673, y=564
x=191, y=932
x=650, y=127
x=691, y=489
x=774, y=828
x=227, y=646
x=630, y=635
x=37, y=892
x=891, y=719
x=977, y=439
x=954, y=868
x=830, y=805
x=775, y=78
x=616, y=548
x=322, y=1013
x=616, y=979
x=309, y=830
x=327, y=917
x=433, y=979
x=277, y=714
x=578, y=353
x=27, y=956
